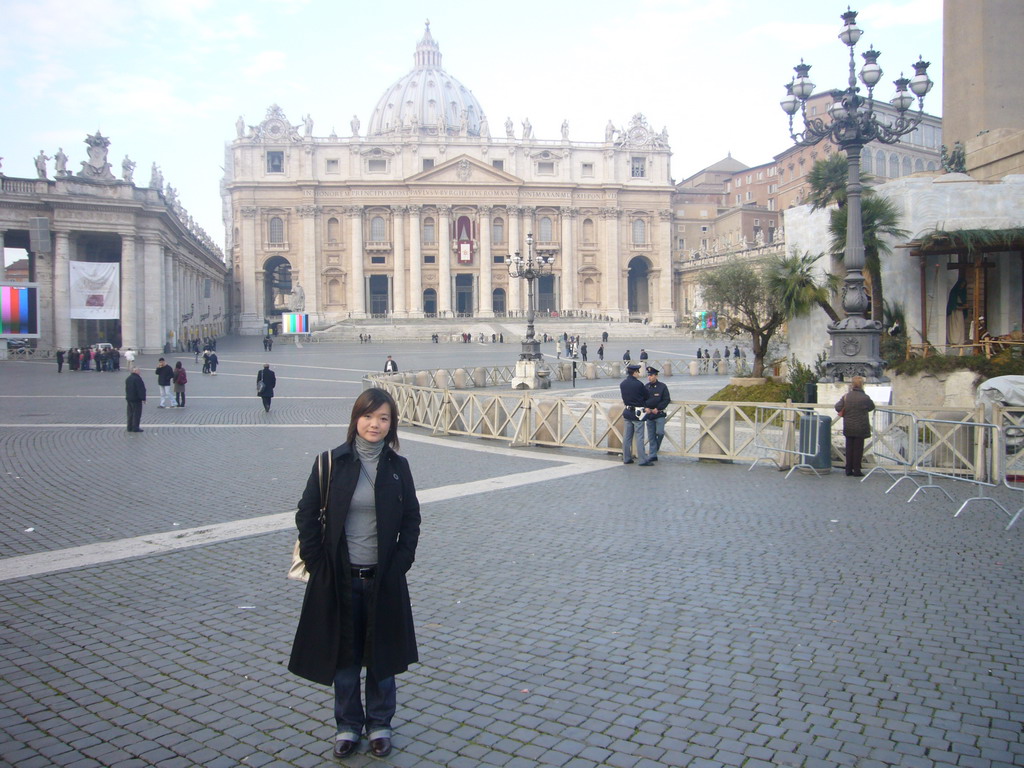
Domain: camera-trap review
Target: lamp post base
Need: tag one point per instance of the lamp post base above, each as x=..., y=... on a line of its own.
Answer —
x=856, y=351
x=531, y=374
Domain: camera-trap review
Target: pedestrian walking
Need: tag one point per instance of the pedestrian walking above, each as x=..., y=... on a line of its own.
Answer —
x=853, y=408
x=266, y=380
x=180, y=380
x=135, y=394
x=634, y=400
x=643, y=356
x=213, y=362
x=558, y=349
x=583, y=351
x=60, y=360
x=164, y=378
x=356, y=612
x=626, y=357
x=658, y=400
x=390, y=366
x=600, y=352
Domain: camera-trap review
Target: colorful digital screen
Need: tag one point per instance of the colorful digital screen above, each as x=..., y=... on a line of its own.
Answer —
x=294, y=322
x=19, y=309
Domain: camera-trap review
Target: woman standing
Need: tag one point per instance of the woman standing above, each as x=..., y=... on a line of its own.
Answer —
x=266, y=380
x=356, y=612
x=180, y=380
x=854, y=408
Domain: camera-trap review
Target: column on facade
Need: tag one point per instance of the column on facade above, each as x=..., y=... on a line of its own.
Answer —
x=61, y=289
x=3, y=261
x=311, y=275
x=485, y=298
x=357, y=281
x=568, y=258
x=610, y=269
x=152, y=294
x=44, y=273
x=415, y=263
x=444, y=260
x=250, y=319
x=170, y=298
x=665, y=313
x=515, y=245
x=130, y=336
x=400, y=303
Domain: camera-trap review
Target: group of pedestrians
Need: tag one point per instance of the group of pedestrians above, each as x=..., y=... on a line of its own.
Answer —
x=95, y=358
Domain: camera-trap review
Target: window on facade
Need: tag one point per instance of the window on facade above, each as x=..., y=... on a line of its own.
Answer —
x=545, y=230
x=378, y=259
x=497, y=259
x=429, y=233
x=498, y=231
x=907, y=167
x=334, y=291
x=546, y=166
x=638, y=168
x=880, y=163
x=639, y=232
x=739, y=198
x=866, y=165
x=587, y=169
x=377, y=165
x=333, y=230
x=377, y=230
x=276, y=229
x=588, y=231
x=894, y=167
x=428, y=163
x=275, y=162
x=429, y=258
x=333, y=166
x=499, y=164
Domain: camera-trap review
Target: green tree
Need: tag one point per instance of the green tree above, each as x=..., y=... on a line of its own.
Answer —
x=879, y=219
x=791, y=279
x=828, y=182
x=739, y=290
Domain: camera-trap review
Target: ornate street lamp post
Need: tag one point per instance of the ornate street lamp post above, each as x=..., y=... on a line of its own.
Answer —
x=855, y=338
x=529, y=268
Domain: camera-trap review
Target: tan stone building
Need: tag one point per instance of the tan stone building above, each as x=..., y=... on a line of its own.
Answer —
x=414, y=216
x=114, y=262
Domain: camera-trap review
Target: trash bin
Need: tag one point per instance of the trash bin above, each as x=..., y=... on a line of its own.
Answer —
x=815, y=440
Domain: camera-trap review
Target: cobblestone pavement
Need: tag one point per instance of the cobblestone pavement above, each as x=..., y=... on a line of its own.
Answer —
x=570, y=611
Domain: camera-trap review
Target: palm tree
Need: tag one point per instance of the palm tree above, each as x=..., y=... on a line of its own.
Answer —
x=792, y=281
x=879, y=218
x=828, y=182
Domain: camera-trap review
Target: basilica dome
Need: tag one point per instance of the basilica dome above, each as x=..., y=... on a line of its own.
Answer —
x=428, y=100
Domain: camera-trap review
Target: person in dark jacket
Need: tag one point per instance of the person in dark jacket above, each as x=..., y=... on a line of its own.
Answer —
x=854, y=408
x=180, y=380
x=390, y=366
x=60, y=360
x=658, y=400
x=356, y=612
x=266, y=380
x=165, y=378
x=135, y=394
x=634, y=400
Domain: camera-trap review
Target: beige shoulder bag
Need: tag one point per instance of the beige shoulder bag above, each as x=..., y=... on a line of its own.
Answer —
x=324, y=464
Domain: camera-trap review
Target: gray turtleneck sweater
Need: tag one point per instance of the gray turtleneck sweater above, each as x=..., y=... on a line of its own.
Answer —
x=361, y=523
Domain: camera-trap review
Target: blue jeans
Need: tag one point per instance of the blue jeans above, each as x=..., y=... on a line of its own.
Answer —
x=380, y=694
x=630, y=430
x=655, y=434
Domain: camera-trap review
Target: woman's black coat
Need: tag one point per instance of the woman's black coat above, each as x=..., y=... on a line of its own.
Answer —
x=323, y=640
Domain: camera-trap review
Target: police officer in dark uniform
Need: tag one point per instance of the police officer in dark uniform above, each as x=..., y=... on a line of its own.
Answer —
x=634, y=398
x=657, y=402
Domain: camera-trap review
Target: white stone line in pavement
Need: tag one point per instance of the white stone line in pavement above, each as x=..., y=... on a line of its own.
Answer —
x=159, y=543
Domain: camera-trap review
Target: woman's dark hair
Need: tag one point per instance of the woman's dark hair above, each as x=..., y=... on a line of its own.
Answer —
x=178, y=364
x=368, y=402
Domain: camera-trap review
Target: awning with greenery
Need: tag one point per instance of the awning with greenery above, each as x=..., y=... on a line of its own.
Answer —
x=968, y=241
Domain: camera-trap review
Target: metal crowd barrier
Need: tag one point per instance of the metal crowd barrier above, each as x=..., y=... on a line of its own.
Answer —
x=790, y=432
x=892, y=445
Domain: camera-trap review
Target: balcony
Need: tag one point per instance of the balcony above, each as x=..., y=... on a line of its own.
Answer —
x=377, y=246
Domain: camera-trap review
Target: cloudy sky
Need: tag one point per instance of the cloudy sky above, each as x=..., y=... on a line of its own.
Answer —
x=165, y=80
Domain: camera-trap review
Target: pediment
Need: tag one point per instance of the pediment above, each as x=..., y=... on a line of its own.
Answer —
x=464, y=170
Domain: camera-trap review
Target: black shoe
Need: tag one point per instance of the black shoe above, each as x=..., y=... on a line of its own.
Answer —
x=344, y=748
x=653, y=458
x=380, y=747
x=628, y=462
x=645, y=464
x=849, y=473
x=857, y=474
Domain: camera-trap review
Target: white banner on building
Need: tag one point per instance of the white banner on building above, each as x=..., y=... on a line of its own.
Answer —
x=95, y=290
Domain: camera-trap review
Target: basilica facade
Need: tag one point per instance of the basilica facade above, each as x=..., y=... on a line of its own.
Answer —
x=414, y=216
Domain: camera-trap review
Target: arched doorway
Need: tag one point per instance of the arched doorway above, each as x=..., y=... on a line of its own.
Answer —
x=277, y=288
x=637, y=293
x=430, y=303
x=498, y=301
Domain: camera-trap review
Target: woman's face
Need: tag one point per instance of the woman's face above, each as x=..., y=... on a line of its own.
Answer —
x=374, y=426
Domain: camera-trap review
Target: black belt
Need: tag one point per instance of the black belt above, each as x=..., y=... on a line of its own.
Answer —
x=363, y=573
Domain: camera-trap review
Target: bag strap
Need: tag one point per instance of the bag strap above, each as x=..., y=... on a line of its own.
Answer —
x=325, y=463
